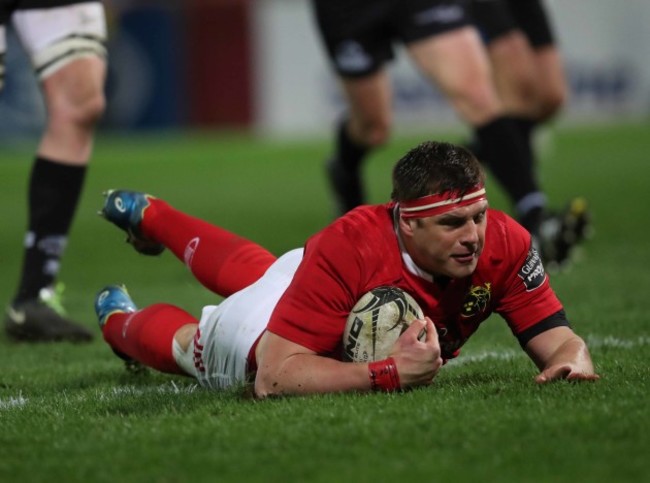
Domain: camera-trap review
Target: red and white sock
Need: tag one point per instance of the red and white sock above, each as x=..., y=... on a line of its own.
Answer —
x=147, y=335
x=220, y=260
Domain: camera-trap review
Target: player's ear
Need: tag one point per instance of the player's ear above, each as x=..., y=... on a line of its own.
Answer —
x=406, y=226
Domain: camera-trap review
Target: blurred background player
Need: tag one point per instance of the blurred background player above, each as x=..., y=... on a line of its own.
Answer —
x=527, y=66
x=442, y=42
x=65, y=40
x=529, y=76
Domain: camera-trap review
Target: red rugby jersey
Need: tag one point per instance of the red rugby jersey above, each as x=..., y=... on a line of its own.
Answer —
x=360, y=251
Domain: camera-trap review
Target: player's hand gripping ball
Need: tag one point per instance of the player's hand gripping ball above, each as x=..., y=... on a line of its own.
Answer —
x=376, y=322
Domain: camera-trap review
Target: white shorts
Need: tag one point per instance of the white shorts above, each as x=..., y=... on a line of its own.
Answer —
x=218, y=357
x=53, y=37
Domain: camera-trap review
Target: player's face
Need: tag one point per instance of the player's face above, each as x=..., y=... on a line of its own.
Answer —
x=448, y=244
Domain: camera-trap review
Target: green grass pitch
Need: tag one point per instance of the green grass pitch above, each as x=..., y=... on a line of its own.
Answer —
x=71, y=413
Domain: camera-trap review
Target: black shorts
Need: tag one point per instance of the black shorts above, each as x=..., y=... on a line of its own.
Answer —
x=9, y=6
x=495, y=18
x=359, y=35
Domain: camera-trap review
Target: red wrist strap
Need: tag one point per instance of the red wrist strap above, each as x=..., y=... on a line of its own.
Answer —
x=383, y=375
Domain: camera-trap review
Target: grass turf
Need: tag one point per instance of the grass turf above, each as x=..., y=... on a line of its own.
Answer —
x=72, y=413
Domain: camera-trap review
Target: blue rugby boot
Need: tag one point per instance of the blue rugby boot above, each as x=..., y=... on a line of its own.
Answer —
x=125, y=210
x=114, y=299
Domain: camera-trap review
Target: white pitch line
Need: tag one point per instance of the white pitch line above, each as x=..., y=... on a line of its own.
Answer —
x=111, y=394
x=169, y=388
x=504, y=355
x=593, y=342
x=13, y=402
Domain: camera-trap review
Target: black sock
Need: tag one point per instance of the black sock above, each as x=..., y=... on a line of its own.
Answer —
x=344, y=171
x=348, y=152
x=506, y=149
x=54, y=191
x=526, y=126
x=506, y=154
x=531, y=211
x=474, y=146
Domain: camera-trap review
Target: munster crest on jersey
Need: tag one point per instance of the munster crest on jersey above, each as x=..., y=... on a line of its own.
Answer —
x=476, y=300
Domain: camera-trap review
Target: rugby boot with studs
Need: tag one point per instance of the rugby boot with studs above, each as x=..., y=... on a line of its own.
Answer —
x=562, y=232
x=114, y=299
x=43, y=319
x=125, y=209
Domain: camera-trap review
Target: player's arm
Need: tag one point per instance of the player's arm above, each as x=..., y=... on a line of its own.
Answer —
x=560, y=354
x=536, y=316
x=287, y=368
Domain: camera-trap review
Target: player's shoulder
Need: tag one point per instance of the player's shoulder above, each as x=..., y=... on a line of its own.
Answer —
x=366, y=232
x=371, y=222
x=503, y=224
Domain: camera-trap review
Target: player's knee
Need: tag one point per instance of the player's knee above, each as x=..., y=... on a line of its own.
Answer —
x=83, y=110
x=376, y=133
x=378, y=137
x=91, y=109
x=526, y=92
x=183, y=350
x=551, y=104
x=476, y=102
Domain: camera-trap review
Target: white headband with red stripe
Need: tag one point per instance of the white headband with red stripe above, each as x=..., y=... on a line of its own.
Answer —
x=432, y=205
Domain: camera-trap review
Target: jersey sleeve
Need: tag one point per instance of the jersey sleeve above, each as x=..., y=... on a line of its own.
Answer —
x=528, y=298
x=313, y=310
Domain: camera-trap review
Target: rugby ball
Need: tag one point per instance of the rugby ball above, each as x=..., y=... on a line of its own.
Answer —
x=376, y=322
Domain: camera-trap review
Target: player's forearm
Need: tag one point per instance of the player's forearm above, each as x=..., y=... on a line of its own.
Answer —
x=303, y=374
x=573, y=352
x=557, y=346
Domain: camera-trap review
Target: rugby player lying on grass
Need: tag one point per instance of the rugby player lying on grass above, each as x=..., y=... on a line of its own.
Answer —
x=282, y=320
